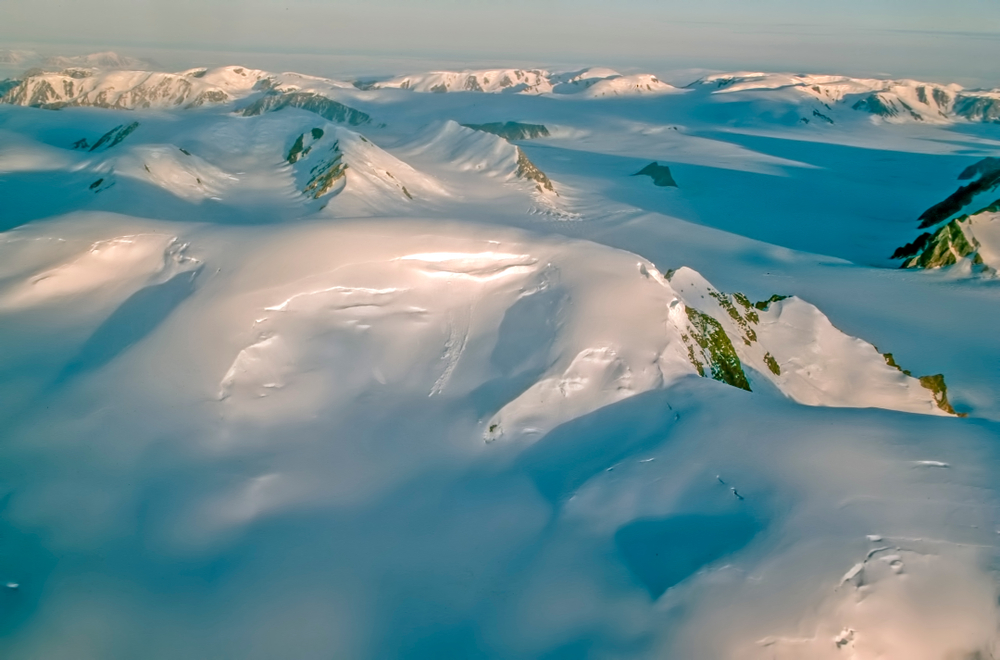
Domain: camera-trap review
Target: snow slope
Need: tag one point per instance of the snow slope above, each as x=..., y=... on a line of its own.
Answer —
x=310, y=370
x=331, y=159
x=467, y=149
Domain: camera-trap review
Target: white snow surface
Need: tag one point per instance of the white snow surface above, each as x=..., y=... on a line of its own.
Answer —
x=464, y=149
x=593, y=82
x=984, y=227
x=426, y=414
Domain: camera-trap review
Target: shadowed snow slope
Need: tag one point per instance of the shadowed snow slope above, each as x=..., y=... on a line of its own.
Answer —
x=469, y=150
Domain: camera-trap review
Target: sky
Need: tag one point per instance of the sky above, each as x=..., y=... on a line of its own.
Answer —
x=957, y=40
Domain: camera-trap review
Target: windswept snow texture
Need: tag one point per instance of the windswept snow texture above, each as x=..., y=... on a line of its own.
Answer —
x=553, y=365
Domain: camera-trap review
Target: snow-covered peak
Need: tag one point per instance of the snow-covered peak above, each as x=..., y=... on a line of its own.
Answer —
x=754, y=80
x=527, y=81
x=792, y=344
x=628, y=85
x=290, y=81
x=592, y=82
x=589, y=73
x=598, y=82
x=234, y=78
x=889, y=100
x=332, y=161
x=134, y=89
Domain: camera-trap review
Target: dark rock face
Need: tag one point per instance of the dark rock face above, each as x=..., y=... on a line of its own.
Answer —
x=527, y=170
x=714, y=351
x=326, y=174
x=7, y=85
x=978, y=108
x=114, y=136
x=942, y=248
x=512, y=130
x=660, y=174
x=959, y=199
x=820, y=115
x=914, y=248
x=320, y=105
x=954, y=241
x=985, y=167
x=876, y=105
x=935, y=383
x=300, y=149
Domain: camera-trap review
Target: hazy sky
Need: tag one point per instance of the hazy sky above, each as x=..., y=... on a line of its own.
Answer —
x=957, y=39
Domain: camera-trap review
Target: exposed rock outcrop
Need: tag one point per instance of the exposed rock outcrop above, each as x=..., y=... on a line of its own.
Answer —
x=660, y=174
x=512, y=130
x=528, y=171
x=967, y=225
x=326, y=108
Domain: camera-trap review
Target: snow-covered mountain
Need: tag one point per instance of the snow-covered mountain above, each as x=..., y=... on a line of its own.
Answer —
x=128, y=90
x=295, y=367
x=601, y=82
x=331, y=160
x=698, y=330
x=593, y=82
x=534, y=81
x=889, y=100
x=105, y=87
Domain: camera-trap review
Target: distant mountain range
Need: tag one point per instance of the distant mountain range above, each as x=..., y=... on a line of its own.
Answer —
x=111, y=80
x=592, y=82
x=892, y=100
x=103, y=60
